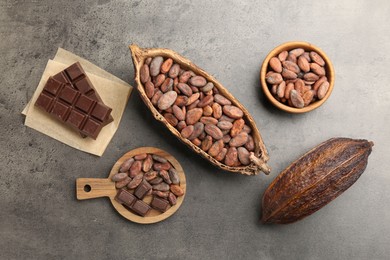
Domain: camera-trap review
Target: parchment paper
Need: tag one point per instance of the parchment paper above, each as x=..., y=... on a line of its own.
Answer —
x=113, y=91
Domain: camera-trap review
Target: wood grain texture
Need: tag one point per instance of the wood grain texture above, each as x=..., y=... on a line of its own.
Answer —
x=315, y=179
x=106, y=188
x=260, y=156
x=330, y=74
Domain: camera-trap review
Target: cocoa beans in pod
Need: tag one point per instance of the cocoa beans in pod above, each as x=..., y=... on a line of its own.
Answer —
x=315, y=179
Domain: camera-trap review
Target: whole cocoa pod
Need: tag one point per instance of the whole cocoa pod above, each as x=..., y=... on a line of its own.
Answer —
x=315, y=179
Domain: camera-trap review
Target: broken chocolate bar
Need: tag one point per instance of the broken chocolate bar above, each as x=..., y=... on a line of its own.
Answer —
x=73, y=108
x=142, y=189
x=159, y=204
x=125, y=197
x=140, y=207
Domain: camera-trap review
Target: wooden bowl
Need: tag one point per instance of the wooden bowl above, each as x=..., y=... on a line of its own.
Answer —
x=287, y=47
x=90, y=188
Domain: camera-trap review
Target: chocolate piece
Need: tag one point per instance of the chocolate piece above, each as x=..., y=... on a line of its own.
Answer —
x=159, y=204
x=125, y=197
x=142, y=189
x=75, y=77
x=140, y=207
x=73, y=108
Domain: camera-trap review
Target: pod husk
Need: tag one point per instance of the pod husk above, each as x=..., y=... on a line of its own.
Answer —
x=315, y=179
x=258, y=158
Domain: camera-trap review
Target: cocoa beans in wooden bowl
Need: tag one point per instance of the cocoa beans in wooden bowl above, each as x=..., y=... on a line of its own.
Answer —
x=297, y=77
x=199, y=111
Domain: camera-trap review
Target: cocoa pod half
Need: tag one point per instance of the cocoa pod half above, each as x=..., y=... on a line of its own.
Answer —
x=315, y=179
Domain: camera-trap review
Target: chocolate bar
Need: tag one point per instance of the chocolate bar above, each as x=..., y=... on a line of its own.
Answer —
x=73, y=108
x=125, y=197
x=142, y=189
x=141, y=208
x=159, y=204
x=75, y=77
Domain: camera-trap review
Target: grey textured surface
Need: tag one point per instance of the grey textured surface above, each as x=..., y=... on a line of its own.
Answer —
x=40, y=217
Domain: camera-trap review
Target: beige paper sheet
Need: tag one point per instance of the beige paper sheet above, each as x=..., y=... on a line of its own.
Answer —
x=113, y=91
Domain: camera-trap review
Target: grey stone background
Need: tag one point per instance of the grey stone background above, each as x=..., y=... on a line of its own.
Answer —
x=40, y=217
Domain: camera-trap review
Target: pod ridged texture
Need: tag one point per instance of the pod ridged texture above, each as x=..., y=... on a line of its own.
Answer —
x=315, y=179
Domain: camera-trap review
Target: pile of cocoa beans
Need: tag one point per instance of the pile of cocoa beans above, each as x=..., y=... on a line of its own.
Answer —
x=298, y=77
x=198, y=111
x=154, y=169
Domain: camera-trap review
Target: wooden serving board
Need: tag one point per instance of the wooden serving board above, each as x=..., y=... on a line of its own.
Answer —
x=90, y=188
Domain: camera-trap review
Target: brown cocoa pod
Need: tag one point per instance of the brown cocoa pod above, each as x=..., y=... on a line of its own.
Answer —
x=317, y=58
x=231, y=157
x=149, y=89
x=166, y=66
x=238, y=125
x=144, y=73
x=217, y=110
x=315, y=179
x=167, y=85
x=198, y=130
x=147, y=163
x=207, y=120
x=172, y=199
x=239, y=140
x=322, y=90
x=165, y=176
x=120, y=176
x=122, y=183
x=135, y=169
x=275, y=64
x=222, y=100
x=207, y=110
x=167, y=100
x=177, y=190
x=150, y=175
x=288, y=74
x=193, y=116
x=171, y=119
x=174, y=71
x=291, y=66
x=243, y=155
x=213, y=131
x=221, y=156
x=232, y=111
x=125, y=166
x=283, y=55
x=179, y=114
x=206, y=143
x=198, y=81
x=303, y=64
x=216, y=148
x=155, y=65
x=274, y=78
x=296, y=99
x=181, y=101
x=185, y=89
x=207, y=100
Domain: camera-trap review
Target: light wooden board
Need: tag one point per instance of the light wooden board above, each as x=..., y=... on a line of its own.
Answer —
x=106, y=188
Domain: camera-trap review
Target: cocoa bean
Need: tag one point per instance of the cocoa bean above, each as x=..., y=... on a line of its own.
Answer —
x=122, y=183
x=207, y=110
x=148, y=61
x=239, y=140
x=150, y=175
x=289, y=87
x=281, y=89
x=247, y=129
x=181, y=125
x=161, y=166
x=144, y=73
x=155, y=65
x=171, y=119
x=187, y=131
x=125, y=166
x=167, y=100
x=209, y=86
x=147, y=164
x=174, y=176
x=213, y=131
x=159, y=80
x=198, y=130
x=135, y=182
x=149, y=89
x=225, y=125
x=317, y=58
x=250, y=144
x=216, y=148
x=195, y=90
x=291, y=57
x=226, y=138
x=198, y=81
x=196, y=141
x=322, y=90
x=274, y=78
x=177, y=190
x=299, y=86
x=288, y=74
x=185, y=77
x=221, y=156
x=308, y=97
x=181, y=101
x=318, y=83
x=303, y=64
x=291, y=66
x=283, y=55
x=275, y=64
x=165, y=176
x=192, y=99
x=185, y=89
x=311, y=76
x=231, y=157
x=120, y=176
x=161, y=194
x=172, y=199
x=161, y=187
x=208, y=120
x=174, y=71
x=167, y=85
x=232, y=111
x=297, y=51
x=217, y=110
x=222, y=100
x=159, y=158
x=193, y=105
x=156, y=180
x=206, y=143
x=207, y=100
x=193, y=116
x=238, y=125
x=317, y=69
x=243, y=155
x=178, y=113
x=166, y=66
x=296, y=99
x=135, y=169
x=226, y=118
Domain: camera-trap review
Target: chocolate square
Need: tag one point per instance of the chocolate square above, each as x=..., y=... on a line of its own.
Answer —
x=83, y=85
x=74, y=71
x=92, y=128
x=159, y=204
x=44, y=101
x=68, y=94
x=101, y=112
x=76, y=118
x=125, y=197
x=141, y=208
x=53, y=86
x=84, y=103
x=60, y=110
x=142, y=189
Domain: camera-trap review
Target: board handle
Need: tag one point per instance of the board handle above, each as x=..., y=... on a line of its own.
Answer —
x=90, y=188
